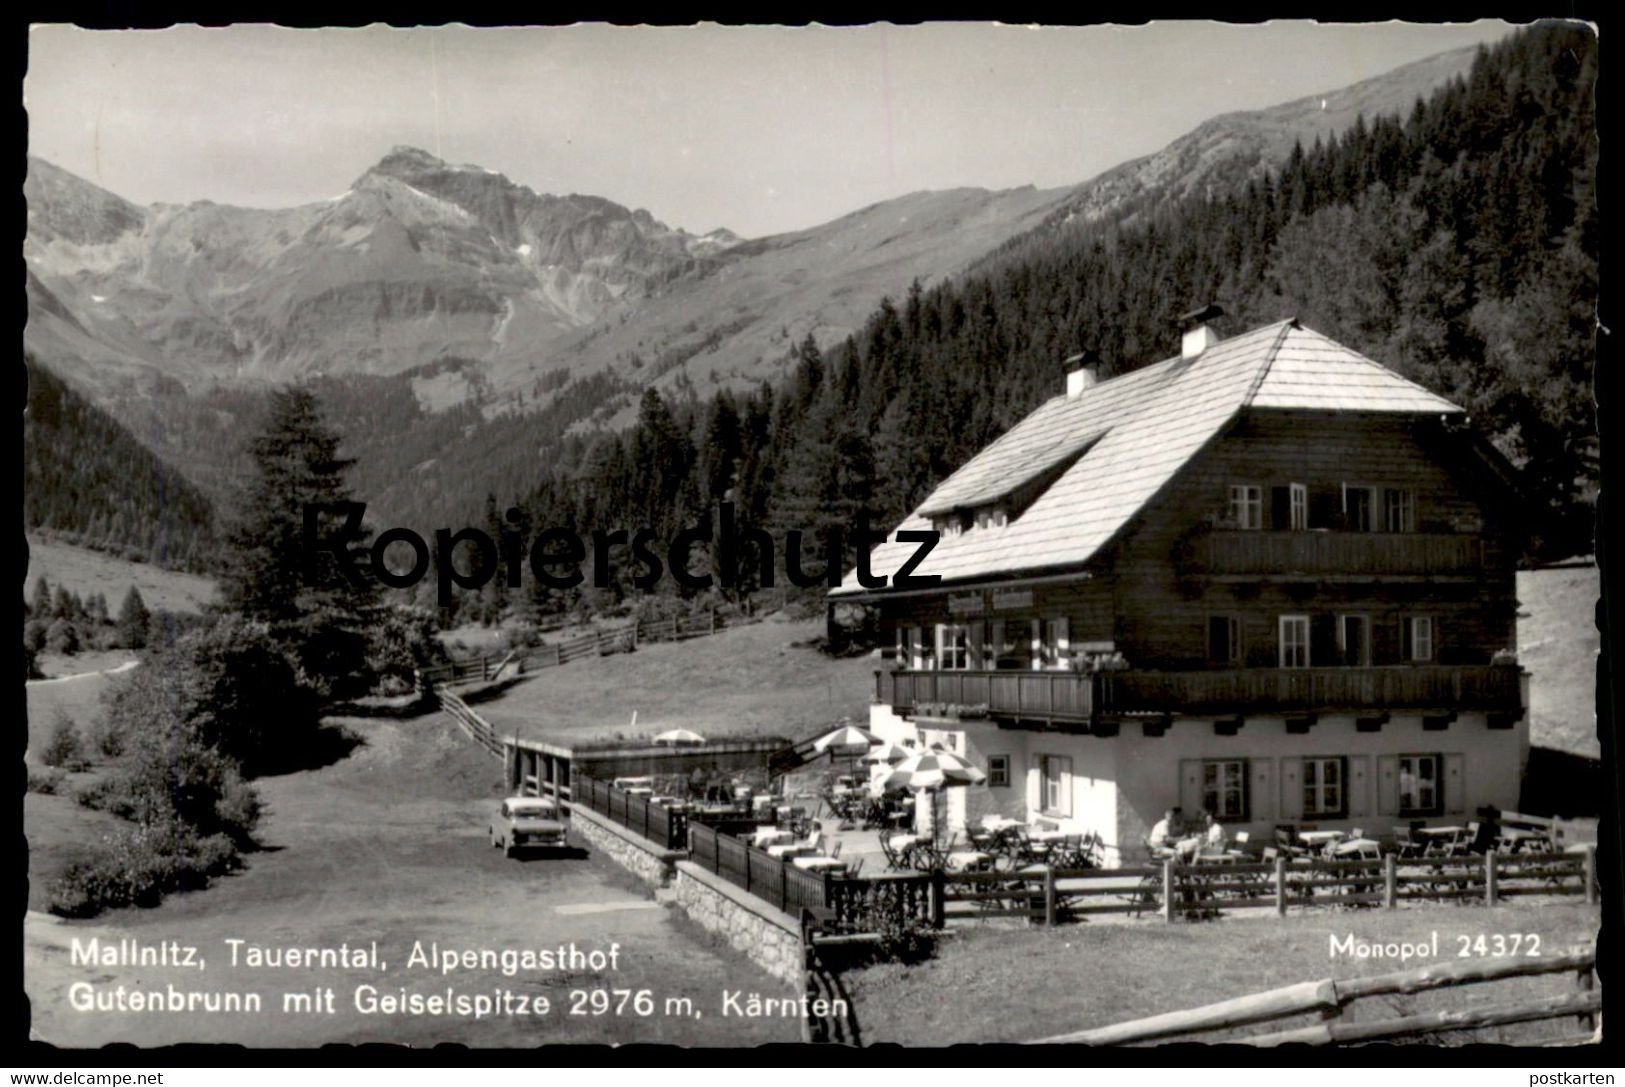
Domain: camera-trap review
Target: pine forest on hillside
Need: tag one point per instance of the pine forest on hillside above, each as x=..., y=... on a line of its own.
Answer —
x=1458, y=246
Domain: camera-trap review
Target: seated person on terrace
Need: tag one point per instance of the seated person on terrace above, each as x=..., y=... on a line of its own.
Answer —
x=1164, y=833
x=1193, y=837
x=1216, y=838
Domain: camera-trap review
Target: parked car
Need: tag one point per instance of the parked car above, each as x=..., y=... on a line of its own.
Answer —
x=528, y=822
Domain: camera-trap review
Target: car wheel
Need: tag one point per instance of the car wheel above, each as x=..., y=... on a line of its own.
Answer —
x=508, y=851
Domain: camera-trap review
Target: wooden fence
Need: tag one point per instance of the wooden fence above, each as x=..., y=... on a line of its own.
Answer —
x=659, y=824
x=844, y=905
x=1329, y=999
x=477, y=727
x=1048, y=895
x=599, y=643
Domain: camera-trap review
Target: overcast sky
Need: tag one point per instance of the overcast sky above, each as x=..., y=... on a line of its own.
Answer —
x=759, y=129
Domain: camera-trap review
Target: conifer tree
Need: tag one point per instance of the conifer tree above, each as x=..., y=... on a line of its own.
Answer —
x=133, y=620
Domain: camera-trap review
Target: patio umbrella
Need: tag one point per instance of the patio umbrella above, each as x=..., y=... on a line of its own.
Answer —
x=679, y=736
x=892, y=753
x=933, y=771
x=846, y=740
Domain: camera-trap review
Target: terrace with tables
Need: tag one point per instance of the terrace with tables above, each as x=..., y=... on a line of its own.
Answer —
x=838, y=843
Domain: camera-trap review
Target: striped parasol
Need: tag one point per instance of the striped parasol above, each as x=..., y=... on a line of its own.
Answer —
x=934, y=769
x=887, y=752
x=846, y=740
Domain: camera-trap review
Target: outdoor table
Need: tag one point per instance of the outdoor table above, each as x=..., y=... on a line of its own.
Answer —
x=901, y=842
x=766, y=836
x=1354, y=848
x=1518, y=840
x=789, y=849
x=1441, y=832
x=629, y=783
x=817, y=862
x=1227, y=857
x=1320, y=837
x=964, y=860
x=997, y=823
x=640, y=790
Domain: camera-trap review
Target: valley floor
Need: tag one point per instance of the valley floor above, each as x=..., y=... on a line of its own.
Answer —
x=390, y=845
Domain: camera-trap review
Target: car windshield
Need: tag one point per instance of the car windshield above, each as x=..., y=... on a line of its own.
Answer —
x=530, y=807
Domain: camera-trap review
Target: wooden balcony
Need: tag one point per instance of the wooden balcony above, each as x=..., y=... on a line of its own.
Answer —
x=1226, y=553
x=1071, y=696
x=1493, y=688
x=1064, y=695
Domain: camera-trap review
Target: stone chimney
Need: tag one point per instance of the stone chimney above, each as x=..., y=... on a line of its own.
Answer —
x=1083, y=372
x=1198, y=331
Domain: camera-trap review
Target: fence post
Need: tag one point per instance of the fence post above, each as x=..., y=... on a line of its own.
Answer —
x=1490, y=889
x=1591, y=874
x=1584, y=980
x=1280, y=886
x=938, y=887
x=485, y=668
x=1390, y=881
x=1168, y=889
x=1049, y=894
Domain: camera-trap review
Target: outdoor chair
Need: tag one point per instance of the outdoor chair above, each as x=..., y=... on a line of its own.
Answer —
x=853, y=868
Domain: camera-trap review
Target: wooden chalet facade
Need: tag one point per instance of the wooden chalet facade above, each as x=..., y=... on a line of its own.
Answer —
x=1267, y=578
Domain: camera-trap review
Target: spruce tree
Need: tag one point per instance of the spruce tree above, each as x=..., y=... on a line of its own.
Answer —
x=313, y=609
x=133, y=620
x=41, y=607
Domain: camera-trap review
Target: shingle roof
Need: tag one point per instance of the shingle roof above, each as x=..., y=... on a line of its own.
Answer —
x=1136, y=432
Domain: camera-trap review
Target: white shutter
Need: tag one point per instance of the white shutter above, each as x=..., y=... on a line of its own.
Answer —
x=1038, y=644
x=1291, y=790
x=1190, y=787
x=1261, y=794
x=1455, y=784
x=1359, y=787
x=1388, y=785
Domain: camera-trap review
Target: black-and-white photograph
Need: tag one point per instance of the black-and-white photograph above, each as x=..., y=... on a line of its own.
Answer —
x=728, y=535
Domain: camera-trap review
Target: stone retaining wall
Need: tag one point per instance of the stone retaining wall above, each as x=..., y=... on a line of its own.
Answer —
x=635, y=853
x=769, y=936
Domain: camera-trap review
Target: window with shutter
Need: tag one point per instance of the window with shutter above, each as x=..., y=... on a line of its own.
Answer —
x=1420, y=785
x=1224, y=789
x=1353, y=641
x=1224, y=640
x=1359, y=507
x=1294, y=641
x=1325, y=787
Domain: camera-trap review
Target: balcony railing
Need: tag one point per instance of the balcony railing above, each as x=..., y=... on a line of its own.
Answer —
x=1012, y=694
x=1314, y=690
x=1378, y=554
x=1077, y=697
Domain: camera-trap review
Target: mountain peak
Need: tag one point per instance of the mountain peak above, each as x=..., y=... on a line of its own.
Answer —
x=405, y=155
